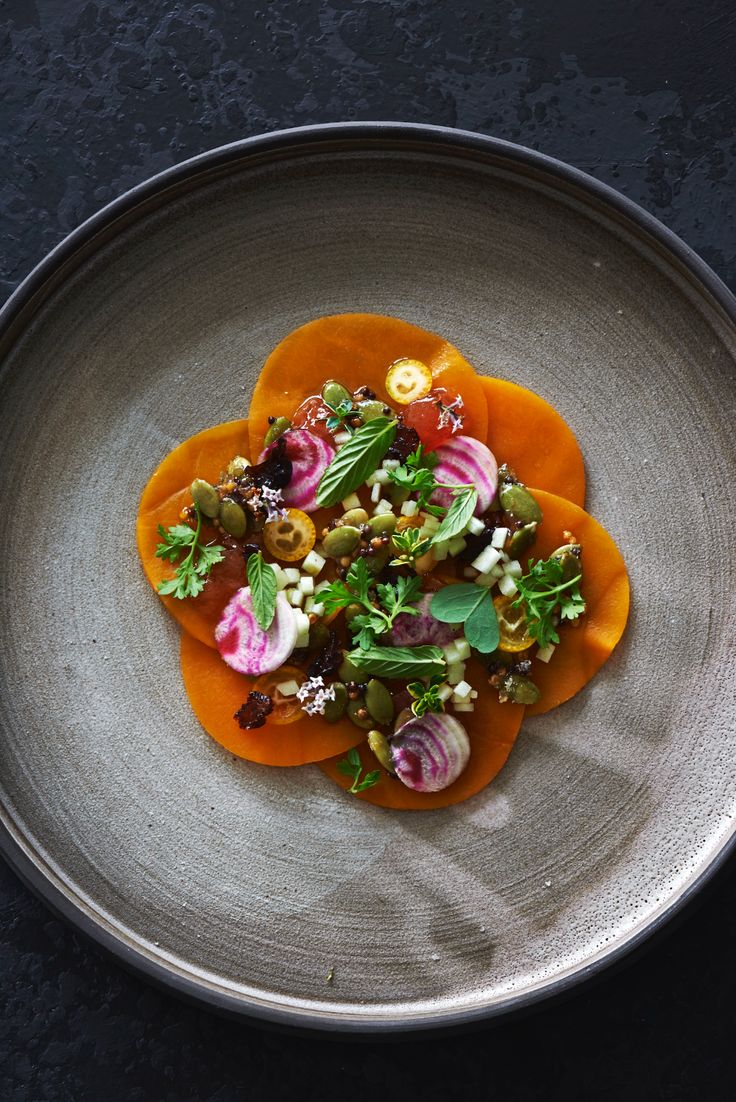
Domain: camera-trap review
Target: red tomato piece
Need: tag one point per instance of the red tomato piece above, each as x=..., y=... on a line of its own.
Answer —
x=437, y=417
x=312, y=415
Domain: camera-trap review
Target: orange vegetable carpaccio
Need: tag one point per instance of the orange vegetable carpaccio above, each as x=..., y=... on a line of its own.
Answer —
x=529, y=434
x=357, y=349
x=205, y=455
x=492, y=729
x=585, y=644
x=216, y=692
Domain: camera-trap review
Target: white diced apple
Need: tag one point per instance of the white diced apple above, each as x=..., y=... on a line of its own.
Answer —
x=280, y=577
x=352, y=501
x=313, y=563
x=462, y=692
x=499, y=537
x=450, y=652
x=444, y=692
x=409, y=508
x=376, y=491
x=383, y=506
x=342, y=438
x=295, y=597
x=391, y=464
x=462, y=646
x=288, y=688
x=507, y=585
x=487, y=559
x=513, y=568
x=306, y=584
x=455, y=673
x=545, y=653
x=475, y=526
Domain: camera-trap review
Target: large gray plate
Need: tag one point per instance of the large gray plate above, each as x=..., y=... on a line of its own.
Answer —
x=243, y=885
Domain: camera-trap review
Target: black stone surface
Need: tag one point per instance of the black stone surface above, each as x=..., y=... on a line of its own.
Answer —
x=94, y=97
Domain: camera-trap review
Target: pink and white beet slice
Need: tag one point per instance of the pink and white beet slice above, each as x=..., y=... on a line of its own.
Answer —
x=310, y=457
x=465, y=461
x=244, y=644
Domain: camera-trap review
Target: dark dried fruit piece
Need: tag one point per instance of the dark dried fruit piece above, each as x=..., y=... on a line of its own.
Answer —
x=328, y=659
x=254, y=711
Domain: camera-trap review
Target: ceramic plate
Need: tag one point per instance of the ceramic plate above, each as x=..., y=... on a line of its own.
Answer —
x=244, y=886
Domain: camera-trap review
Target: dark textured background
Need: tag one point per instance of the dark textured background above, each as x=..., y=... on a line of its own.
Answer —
x=94, y=97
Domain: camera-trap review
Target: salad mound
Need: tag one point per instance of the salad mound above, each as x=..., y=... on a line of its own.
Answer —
x=364, y=572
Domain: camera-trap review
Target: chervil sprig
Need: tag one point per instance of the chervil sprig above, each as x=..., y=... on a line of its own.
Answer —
x=381, y=607
x=545, y=594
x=352, y=767
x=193, y=570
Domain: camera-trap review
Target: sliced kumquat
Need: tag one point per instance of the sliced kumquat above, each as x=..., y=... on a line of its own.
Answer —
x=408, y=380
x=286, y=709
x=291, y=537
x=512, y=626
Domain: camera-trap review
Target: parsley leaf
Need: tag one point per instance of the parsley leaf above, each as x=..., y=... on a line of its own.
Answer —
x=544, y=591
x=262, y=582
x=415, y=475
x=193, y=570
x=352, y=767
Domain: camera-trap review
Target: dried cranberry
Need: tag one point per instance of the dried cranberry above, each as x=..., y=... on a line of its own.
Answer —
x=328, y=659
x=405, y=442
x=254, y=711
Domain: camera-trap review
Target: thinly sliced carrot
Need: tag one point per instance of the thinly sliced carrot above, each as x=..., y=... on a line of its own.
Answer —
x=492, y=729
x=529, y=434
x=205, y=455
x=357, y=349
x=216, y=692
x=605, y=586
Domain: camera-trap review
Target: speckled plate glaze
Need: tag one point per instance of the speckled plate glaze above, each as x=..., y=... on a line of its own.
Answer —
x=244, y=886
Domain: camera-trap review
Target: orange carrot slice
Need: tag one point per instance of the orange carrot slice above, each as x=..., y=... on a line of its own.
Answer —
x=205, y=455
x=492, y=729
x=605, y=586
x=357, y=350
x=529, y=434
x=216, y=692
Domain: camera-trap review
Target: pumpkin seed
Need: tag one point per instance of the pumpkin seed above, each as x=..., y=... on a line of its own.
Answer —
x=381, y=748
x=382, y=525
x=349, y=672
x=522, y=539
x=237, y=467
x=278, y=428
x=569, y=555
x=319, y=636
x=356, y=517
x=335, y=709
x=233, y=518
x=371, y=408
x=378, y=560
x=379, y=702
x=519, y=503
x=205, y=497
x=520, y=689
x=341, y=541
x=353, y=708
x=333, y=393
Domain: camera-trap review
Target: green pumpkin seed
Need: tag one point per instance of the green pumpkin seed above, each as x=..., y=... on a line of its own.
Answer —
x=404, y=716
x=233, y=518
x=397, y=495
x=353, y=708
x=335, y=709
x=341, y=541
x=333, y=393
x=379, y=702
x=319, y=636
x=278, y=428
x=382, y=525
x=569, y=555
x=205, y=498
x=349, y=672
x=519, y=503
x=520, y=689
x=378, y=560
x=372, y=408
x=352, y=611
x=381, y=748
x=522, y=539
x=356, y=517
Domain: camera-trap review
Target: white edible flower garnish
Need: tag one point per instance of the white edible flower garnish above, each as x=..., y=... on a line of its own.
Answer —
x=272, y=502
x=315, y=687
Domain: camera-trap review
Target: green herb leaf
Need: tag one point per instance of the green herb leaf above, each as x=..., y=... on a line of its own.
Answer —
x=358, y=458
x=426, y=697
x=457, y=516
x=399, y=662
x=470, y=605
x=356, y=589
x=542, y=592
x=262, y=582
x=411, y=545
x=352, y=767
x=193, y=571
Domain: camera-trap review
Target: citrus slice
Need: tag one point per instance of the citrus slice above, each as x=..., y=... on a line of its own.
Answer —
x=513, y=630
x=291, y=537
x=408, y=380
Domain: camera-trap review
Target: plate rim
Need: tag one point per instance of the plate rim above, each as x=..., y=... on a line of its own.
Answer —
x=50, y=272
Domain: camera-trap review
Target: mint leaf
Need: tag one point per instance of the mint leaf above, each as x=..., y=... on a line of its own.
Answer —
x=358, y=458
x=399, y=662
x=457, y=516
x=262, y=582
